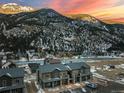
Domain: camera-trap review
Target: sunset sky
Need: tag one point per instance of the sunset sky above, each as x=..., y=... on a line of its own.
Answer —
x=103, y=9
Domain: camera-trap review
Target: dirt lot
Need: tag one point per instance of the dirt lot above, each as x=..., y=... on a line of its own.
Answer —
x=111, y=88
x=109, y=73
x=63, y=88
x=31, y=88
x=101, y=63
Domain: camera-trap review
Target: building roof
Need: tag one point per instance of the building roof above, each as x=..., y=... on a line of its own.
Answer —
x=7, y=64
x=62, y=67
x=78, y=65
x=51, y=67
x=28, y=62
x=12, y=72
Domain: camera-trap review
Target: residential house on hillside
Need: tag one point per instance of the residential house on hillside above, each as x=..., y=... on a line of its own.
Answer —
x=53, y=75
x=6, y=60
x=11, y=80
x=9, y=64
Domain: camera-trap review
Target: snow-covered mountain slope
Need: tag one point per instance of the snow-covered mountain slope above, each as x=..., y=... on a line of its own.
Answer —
x=12, y=8
x=50, y=30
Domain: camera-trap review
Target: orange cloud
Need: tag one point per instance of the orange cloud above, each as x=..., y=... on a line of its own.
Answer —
x=102, y=9
x=114, y=13
x=80, y=6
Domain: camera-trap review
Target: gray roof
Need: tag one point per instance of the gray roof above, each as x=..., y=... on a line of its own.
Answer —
x=28, y=62
x=51, y=67
x=62, y=67
x=74, y=66
x=12, y=72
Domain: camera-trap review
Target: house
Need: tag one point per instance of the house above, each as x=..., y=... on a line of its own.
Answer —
x=9, y=65
x=5, y=57
x=111, y=66
x=53, y=75
x=121, y=55
x=11, y=80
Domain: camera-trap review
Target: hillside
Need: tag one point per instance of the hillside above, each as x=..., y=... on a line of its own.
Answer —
x=47, y=29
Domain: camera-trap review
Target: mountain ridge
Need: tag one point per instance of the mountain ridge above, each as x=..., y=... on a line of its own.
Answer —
x=14, y=8
x=50, y=30
x=88, y=17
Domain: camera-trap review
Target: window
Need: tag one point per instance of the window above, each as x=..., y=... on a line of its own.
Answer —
x=14, y=91
x=4, y=83
x=82, y=71
x=64, y=74
x=56, y=73
x=17, y=81
x=46, y=76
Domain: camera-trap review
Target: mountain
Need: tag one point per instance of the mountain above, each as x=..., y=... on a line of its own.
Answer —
x=84, y=17
x=114, y=20
x=49, y=30
x=12, y=8
x=93, y=19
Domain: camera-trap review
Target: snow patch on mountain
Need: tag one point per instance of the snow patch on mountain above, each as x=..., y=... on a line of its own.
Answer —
x=14, y=8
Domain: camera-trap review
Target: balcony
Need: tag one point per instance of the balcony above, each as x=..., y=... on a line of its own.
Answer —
x=10, y=87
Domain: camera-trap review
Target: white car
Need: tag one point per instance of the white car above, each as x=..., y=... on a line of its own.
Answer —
x=84, y=90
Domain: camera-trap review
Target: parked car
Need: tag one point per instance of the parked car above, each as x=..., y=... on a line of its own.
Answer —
x=92, y=85
x=86, y=82
x=84, y=90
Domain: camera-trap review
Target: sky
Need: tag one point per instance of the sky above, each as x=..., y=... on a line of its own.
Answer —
x=103, y=9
